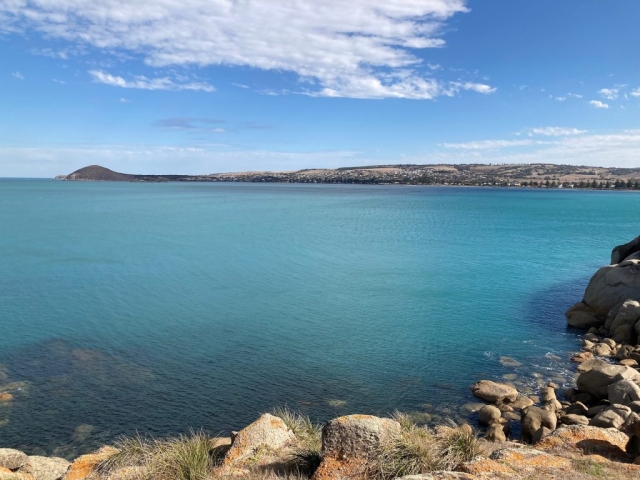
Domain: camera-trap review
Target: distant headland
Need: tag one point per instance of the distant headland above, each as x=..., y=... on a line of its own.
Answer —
x=505, y=175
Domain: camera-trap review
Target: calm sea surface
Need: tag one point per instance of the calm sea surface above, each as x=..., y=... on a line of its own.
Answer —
x=154, y=308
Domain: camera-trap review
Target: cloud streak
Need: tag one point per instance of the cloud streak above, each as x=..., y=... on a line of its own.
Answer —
x=598, y=104
x=358, y=49
x=555, y=131
x=143, y=83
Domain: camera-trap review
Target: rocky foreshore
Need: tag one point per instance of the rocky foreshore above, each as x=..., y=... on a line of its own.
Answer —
x=590, y=430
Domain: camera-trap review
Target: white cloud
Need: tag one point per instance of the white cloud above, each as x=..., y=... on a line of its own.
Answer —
x=609, y=93
x=560, y=99
x=636, y=92
x=124, y=100
x=144, y=83
x=574, y=95
x=555, y=131
x=598, y=104
x=17, y=75
x=359, y=48
x=616, y=149
x=489, y=144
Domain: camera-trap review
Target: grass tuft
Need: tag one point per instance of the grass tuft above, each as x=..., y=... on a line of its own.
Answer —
x=306, y=457
x=186, y=457
x=417, y=450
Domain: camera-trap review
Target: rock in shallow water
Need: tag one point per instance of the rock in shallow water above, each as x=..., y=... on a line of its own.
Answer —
x=489, y=415
x=494, y=392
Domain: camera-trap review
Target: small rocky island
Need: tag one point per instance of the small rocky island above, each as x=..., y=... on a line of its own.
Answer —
x=587, y=431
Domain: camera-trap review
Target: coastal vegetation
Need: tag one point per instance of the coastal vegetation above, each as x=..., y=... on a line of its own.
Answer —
x=511, y=175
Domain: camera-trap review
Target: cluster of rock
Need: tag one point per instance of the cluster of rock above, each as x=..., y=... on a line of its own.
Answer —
x=349, y=445
x=15, y=464
x=607, y=395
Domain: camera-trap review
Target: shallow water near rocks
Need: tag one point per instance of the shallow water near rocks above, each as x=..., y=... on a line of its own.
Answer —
x=154, y=308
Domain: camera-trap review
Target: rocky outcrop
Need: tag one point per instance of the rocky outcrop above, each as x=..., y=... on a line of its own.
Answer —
x=348, y=444
x=534, y=419
x=12, y=459
x=621, y=252
x=589, y=439
x=267, y=435
x=597, y=375
x=45, y=468
x=85, y=466
x=611, y=286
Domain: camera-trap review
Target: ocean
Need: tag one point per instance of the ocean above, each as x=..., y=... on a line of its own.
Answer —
x=156, y=308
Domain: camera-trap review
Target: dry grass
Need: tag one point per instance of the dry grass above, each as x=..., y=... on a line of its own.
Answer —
x=186, y=457
x=418, y=450
x=306, y=458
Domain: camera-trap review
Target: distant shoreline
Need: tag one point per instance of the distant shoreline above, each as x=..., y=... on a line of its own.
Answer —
x=535, y=176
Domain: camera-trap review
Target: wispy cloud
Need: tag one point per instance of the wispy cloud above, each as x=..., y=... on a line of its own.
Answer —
x=574, y=95
x=187, y=123
x=124, y=100
x=17, y=75
x=358, y=49
x=598, y=104
x=555, y=131
x=143, y=83
x=621, y=149
x=489, y=144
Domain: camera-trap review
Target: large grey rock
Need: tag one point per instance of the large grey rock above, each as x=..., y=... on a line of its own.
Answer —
x=612, y=417
x=533, y=418
x=268, y=432
x=624, y=334
x=612, y=285
x=601, y=374
x=522, y=402
x=349, y=442
x=621, y=252
x=496, y=433
x=583, y=317
x=494, y=392
x=12, y=459
x=628, y=314
x=623, y=392
x=489, y=414
x=355, y=435
x=45, y=468
x=573, y=419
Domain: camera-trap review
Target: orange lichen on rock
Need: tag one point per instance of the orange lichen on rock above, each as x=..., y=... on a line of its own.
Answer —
x=85, y=465
x=483, y=466
x=604, y=441
x=524, y=459
x=6, y=397
x=333, y=469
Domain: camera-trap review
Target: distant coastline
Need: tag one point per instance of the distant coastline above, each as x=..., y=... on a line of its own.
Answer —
x=524, y=176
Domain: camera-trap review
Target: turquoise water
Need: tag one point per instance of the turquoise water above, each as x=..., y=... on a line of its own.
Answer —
x=154, y=308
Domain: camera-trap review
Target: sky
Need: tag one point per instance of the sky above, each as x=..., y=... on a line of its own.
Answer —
x=208, y=86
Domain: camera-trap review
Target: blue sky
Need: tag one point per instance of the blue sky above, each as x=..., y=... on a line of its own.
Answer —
x=203, y=86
